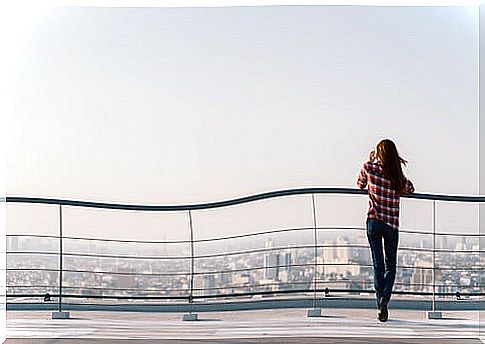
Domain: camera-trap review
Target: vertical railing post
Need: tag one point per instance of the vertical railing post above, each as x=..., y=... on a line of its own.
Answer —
x=60, y=314
x=434, y=314
x=434, y=255
x=190, y=315
x=60, y=257
x=314, y=312
x=191, y=295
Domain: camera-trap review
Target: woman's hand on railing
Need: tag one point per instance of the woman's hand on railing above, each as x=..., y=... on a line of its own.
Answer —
x=372, y=156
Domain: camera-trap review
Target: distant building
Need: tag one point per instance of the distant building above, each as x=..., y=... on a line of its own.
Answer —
x=422, y=276
x=362, y=254
x=25, y=244
x=125, y=281
x=423, y=243
x=329, y=254
x=343, y=253
x=241, y=278
x=271, y=262
x=287, y=261
x=283, y=276
x=338, y=258
x=462, y=245
x=444, y=242
x=92, y=248
x=225, y=278
x=269, y=285
x=209, y=283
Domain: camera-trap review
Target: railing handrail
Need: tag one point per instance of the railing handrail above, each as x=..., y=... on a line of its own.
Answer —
x=234, y=201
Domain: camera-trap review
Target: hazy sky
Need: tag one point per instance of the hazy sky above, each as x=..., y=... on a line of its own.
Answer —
x=182, y=105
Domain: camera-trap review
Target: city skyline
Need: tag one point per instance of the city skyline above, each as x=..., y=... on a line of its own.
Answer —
x=278, y=267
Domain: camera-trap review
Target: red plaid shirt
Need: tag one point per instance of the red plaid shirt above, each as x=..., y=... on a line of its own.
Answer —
x=383, y=200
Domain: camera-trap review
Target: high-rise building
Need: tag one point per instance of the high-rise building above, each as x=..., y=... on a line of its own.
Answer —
x=343, y=252
x=225, y=278
x=209, y=283
x=339, y=258
x=287, y=261
x=271, y=262
x=329, y=252
x=127, y=280
x=444, y=242
x=422, y=277
x=362, y=254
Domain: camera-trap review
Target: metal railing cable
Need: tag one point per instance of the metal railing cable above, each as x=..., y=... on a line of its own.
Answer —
x=234, y=286
x=272, y=231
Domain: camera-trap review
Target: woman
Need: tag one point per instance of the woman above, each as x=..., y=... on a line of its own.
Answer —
x=385, y=182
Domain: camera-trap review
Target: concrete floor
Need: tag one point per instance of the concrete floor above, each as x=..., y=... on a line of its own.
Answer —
x=261, y=326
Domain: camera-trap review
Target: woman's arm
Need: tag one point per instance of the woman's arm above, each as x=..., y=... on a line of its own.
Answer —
x=362, y=179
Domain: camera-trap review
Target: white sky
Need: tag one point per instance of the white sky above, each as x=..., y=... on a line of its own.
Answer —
x=178, y=105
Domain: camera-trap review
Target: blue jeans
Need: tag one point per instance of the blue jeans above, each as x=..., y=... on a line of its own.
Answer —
x=384, y=267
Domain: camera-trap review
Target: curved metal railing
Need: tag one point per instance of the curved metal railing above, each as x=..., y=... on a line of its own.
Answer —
x=190, y=292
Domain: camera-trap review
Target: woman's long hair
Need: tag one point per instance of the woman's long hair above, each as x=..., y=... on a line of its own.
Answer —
x=391, y=161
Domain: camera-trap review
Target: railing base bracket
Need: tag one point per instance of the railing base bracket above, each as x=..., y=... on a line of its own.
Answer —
x=434, y=315
x=314, y=312
x=190, y=317
x=60, y=315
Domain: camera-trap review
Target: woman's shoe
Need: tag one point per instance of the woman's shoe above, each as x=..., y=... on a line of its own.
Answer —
x=383, y=312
